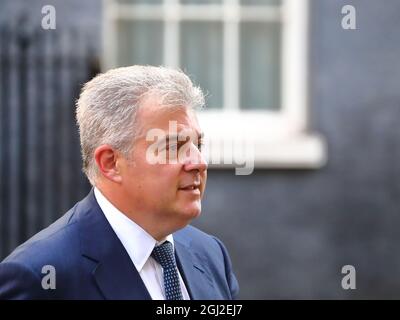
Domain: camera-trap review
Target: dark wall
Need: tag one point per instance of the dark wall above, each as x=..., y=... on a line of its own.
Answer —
x=41, y=73
x=290, y=232
x=85, y=15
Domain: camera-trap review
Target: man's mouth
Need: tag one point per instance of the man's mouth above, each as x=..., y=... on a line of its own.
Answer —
x=189, y=188
x=193, y=188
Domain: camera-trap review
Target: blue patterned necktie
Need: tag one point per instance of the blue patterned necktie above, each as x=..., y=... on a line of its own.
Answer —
x=164, y=255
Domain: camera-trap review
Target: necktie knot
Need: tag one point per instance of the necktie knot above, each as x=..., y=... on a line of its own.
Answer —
x=164, y=255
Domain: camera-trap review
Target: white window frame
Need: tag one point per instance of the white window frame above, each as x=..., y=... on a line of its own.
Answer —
x=281, y=138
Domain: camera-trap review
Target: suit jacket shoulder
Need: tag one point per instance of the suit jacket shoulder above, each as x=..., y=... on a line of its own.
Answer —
x=57, y=246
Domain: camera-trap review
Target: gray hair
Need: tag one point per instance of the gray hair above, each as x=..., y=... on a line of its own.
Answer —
x=107, y=106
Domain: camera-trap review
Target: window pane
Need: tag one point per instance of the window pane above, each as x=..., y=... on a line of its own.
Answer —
x=201, y=57
x=140, y=1
x=260, y=2
x=140, y=42
x=260, y=65
x=201, y=1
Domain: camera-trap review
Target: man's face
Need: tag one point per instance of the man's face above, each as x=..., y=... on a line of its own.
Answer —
x=169, y=193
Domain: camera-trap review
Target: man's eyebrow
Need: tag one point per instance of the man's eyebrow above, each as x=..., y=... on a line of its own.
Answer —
x=175, y=137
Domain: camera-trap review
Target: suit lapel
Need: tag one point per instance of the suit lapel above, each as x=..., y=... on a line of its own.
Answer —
x=117, y=280
x=197, y=281
x=113, y=271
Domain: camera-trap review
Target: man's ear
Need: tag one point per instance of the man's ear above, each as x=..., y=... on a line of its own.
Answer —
x=106, y=159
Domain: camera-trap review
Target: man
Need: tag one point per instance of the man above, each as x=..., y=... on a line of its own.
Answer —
x=129, y=238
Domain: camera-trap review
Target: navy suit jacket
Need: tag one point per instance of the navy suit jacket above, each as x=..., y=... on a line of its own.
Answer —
x=90, y=262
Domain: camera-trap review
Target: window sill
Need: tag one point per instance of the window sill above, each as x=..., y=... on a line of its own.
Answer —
x=266, y=140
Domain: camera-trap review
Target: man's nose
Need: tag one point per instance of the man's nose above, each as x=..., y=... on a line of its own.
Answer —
x=195, y=160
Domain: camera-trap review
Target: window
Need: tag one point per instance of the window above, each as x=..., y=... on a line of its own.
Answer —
x=249, y=55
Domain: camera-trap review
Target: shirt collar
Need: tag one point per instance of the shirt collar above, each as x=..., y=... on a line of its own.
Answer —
x=136, y=241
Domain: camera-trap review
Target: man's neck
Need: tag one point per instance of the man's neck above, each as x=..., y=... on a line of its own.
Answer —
x=157, y=229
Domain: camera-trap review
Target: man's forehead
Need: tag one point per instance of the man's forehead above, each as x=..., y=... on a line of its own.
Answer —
x=152, y=111
x=171, y=120
x=184, y=129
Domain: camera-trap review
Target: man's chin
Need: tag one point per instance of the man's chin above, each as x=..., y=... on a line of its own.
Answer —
x=191, y=212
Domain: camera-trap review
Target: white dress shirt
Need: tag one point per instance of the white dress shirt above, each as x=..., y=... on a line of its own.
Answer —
x=139, y=246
